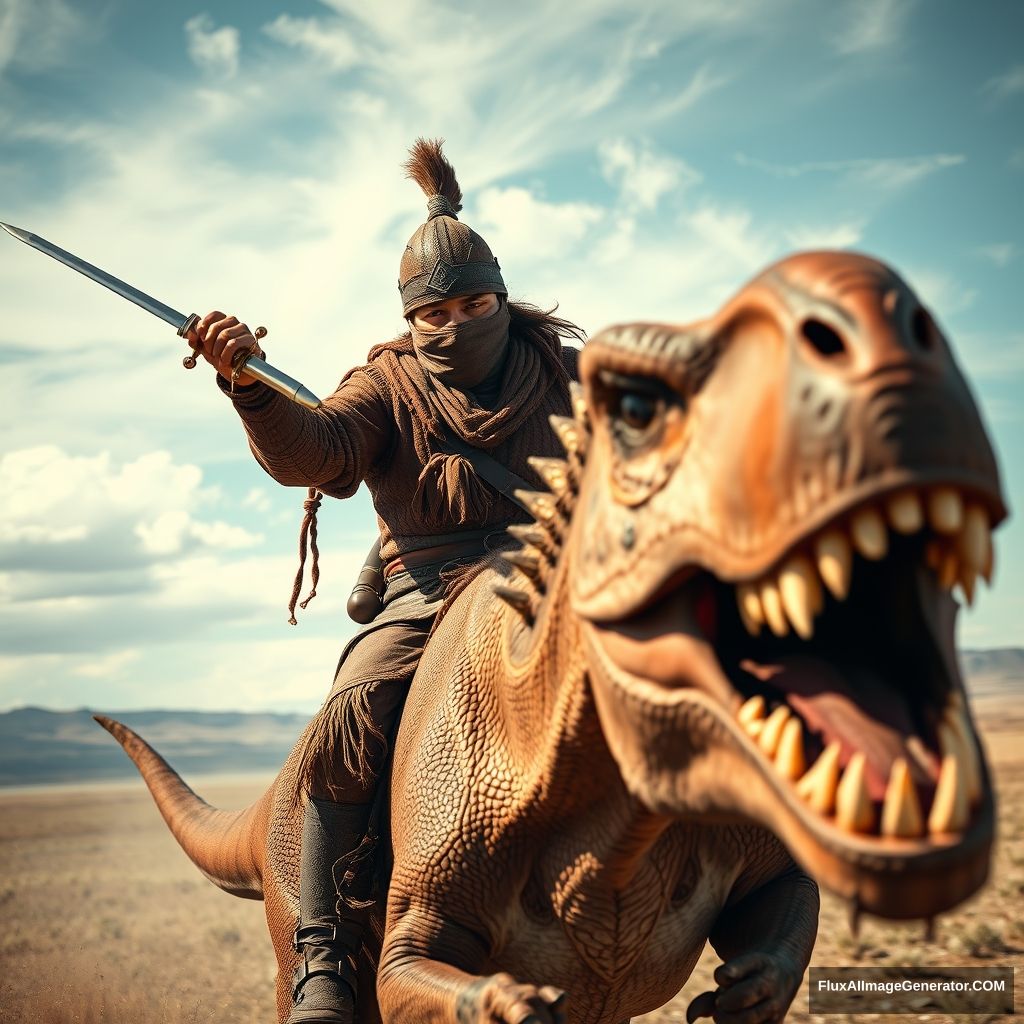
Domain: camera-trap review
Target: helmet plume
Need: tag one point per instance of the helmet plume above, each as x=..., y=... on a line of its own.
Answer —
x=430, y=169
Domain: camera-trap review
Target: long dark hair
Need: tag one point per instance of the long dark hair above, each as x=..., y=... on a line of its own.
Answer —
x=527, y=317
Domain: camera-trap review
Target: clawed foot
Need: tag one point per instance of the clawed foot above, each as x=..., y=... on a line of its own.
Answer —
x=500, y=999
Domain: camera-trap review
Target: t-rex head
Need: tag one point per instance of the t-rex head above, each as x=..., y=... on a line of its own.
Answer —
x=774, y=508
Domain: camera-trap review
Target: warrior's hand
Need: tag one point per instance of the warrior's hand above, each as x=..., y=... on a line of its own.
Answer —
x=754, y=988
x=224, y=342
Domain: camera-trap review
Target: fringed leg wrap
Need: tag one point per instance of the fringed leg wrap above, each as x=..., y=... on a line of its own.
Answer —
x=343, y=735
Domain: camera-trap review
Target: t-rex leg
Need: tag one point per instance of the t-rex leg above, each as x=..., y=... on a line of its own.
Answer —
x=418, y=980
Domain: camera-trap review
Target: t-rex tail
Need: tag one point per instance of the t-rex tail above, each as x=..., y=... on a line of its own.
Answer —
x=227, y=846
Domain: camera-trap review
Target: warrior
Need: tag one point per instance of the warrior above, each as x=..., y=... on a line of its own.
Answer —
x=473, y=372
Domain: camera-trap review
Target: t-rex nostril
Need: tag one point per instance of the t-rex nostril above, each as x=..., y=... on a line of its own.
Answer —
x=826, y=340
x=922, y=330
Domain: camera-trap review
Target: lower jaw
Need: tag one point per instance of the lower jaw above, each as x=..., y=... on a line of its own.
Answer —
x=682, y=756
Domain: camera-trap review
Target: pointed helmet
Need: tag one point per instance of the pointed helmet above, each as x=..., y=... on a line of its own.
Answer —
x=444, y=258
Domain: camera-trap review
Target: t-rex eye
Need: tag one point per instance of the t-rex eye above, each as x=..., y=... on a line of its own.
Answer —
x=635, y=406
x=637, y=410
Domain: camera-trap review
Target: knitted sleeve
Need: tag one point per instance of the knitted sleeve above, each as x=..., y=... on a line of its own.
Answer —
x=331, y=448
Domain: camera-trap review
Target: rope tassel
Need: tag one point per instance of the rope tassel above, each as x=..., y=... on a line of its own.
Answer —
x=307, y=532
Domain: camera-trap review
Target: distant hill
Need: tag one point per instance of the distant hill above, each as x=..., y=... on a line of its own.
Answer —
x=994, y=674
x=39, y=746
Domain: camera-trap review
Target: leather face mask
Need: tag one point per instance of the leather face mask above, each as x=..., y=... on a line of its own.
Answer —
x=462, y=355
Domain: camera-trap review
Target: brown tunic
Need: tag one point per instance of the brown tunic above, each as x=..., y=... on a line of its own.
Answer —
x=365, y=432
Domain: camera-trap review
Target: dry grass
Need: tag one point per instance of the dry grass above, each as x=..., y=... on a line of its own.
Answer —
x=104, y=920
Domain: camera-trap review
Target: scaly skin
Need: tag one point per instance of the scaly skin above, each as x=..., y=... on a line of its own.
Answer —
x=765, y=510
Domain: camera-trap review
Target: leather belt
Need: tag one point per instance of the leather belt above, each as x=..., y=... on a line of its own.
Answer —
x=439, y=552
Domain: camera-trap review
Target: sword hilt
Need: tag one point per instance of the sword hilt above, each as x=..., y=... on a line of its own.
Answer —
x=189, y=362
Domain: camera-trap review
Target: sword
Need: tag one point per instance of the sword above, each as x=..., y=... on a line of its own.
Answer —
x=183, y=323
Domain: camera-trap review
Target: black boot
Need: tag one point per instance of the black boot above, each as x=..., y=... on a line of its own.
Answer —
x=329, y=933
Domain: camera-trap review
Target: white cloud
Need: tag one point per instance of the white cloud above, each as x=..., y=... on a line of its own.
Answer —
x=730, y=234
x=889, y=173
x=66, y=512
x=643, y=176
x=256, y=498
x=943, y=293
x=703, y=82
x=107, y=665
x=38, y=34
x=1009, y=83
x=999, y=254
x=521, y=228
x=872, y=25
x=330, y=44
x=990, y=356
x=213, y=50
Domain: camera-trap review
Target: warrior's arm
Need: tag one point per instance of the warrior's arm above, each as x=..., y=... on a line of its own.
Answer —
x=331, y=447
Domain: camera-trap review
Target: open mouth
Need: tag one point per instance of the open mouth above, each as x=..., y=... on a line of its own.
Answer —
x=840, y=663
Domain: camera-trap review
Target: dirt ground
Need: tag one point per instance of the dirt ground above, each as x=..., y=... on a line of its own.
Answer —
x=102, y=919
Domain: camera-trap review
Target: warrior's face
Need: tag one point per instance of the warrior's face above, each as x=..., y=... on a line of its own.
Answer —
x=437, y=315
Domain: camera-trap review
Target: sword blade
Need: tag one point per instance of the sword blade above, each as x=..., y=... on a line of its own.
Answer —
x=126, y=291
x=254, y=366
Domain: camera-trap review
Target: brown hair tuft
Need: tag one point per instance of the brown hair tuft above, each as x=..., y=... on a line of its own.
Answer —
x=429, y=168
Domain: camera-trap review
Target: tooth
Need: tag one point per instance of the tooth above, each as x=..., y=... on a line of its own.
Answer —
x=901, y=812
x=818, y=786
x=869, y=536
x=949, y=570
x=753, y=728
x=752, y=710
x=945, y=510
x=955, y=738
x=789, y=757
x=800, y=592
x=949, y=808
x=905, y=513
x=854, y=812
x=835, y=558
x=976, y=540
x=919, y=753
x=768, y=741
x=771, y=602
x=750, y=608
x=968, y=579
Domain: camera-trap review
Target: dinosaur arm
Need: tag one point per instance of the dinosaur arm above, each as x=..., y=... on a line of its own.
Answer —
x=779, y=916
x=427, y=974
x=765, y=940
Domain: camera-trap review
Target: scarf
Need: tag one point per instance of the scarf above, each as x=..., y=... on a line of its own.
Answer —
x=448, y=486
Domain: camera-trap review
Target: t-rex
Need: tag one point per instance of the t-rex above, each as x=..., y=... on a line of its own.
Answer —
x=728, y=634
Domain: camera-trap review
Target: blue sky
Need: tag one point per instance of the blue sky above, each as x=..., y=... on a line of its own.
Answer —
x=628, y=161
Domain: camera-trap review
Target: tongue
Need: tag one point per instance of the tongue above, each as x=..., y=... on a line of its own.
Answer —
x=856, y=708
